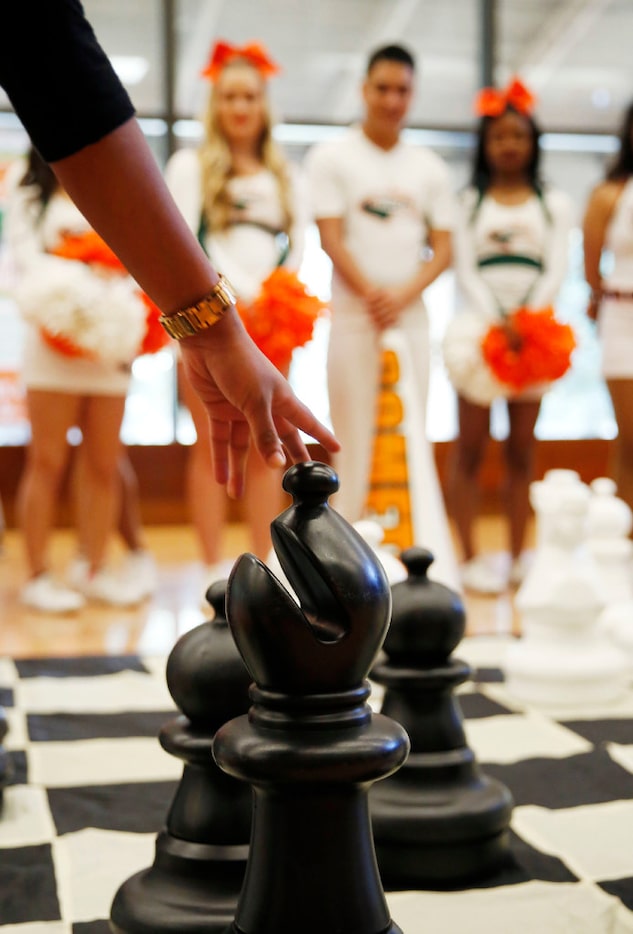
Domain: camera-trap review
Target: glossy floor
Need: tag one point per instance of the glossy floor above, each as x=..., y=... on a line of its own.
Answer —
x=176, y=605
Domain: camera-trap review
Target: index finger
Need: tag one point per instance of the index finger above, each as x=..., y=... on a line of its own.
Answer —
x=303, y=419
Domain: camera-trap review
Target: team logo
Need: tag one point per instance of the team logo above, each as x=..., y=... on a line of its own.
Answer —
x=385, y=207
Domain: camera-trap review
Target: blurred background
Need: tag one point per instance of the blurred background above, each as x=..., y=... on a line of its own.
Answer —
x=574, y=54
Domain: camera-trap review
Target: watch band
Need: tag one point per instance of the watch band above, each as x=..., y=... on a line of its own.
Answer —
x=204, y=314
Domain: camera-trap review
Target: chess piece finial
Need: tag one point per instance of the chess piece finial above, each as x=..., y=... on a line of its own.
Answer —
x=310, y=745
x=442, y=610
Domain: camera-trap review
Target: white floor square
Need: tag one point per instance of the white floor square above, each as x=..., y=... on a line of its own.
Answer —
x=101, y=761
x=126, y=690
x=26, y=817
x=511, y=738
x=530, y=908
x=595, y=840
x=93, y=864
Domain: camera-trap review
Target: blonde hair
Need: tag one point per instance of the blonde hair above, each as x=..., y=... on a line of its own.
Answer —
x=217, y=165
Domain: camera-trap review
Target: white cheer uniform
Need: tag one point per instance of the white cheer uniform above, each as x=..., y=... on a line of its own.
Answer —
x=507, y=256
x=615, y=317
x=388, y=200
x=28, y=239
x=510, y=255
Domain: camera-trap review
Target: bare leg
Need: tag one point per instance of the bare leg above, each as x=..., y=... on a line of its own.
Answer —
x=520, y=447
x=469, y=450
x=621, y=391
x=98, y=496
x=130, y=524
x=264, y=499
x=206, y=497
x=51, y=415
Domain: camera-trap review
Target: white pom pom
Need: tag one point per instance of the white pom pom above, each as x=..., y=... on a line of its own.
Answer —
x=102, y=315
x=467, y=370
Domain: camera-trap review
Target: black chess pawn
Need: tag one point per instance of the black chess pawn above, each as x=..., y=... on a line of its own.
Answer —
x=194, y=883
x=439, y=819
x=310, y=746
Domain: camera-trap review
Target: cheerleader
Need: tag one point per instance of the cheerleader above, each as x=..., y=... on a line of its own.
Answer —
x=511, y=250
x=241, y=197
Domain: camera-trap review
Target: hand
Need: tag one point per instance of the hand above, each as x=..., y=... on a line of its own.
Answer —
x=514, y=339
x=385, y=304
x=593, y=307
x=246, y=397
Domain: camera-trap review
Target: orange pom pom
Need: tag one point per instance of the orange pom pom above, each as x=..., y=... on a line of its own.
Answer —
x=530, y=348
x=155, y=335
x=282, y=317
x=88, y=247
x=64, y=345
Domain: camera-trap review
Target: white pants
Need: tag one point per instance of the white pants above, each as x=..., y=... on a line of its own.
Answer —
x=354, y=369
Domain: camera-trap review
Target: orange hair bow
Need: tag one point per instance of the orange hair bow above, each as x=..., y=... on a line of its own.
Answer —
x=253, y=53
x=492, y=102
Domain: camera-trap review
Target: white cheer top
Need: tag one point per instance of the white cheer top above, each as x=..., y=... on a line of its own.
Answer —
x=388, y=200
x=248, y=250
x=510, y=255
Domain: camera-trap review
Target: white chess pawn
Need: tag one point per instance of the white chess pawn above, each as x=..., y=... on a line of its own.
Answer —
x=564, y=658
x=545, y=496
x=616, y=623
x=609, y=524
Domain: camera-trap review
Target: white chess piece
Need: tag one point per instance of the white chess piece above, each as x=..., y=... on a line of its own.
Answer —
x=563, y=658
x=545, y=495
x=616, y=623
x=608, y=528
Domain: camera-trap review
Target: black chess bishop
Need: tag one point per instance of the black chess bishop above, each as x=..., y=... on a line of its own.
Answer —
x=310, y=746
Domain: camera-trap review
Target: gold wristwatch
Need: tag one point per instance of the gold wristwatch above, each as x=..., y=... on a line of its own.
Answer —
x=204, y=314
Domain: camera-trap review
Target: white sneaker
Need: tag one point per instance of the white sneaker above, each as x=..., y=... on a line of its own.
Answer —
x=480, y=576
x=77, y=573
x=47, y=595
x=108, y=586
x=139, y=568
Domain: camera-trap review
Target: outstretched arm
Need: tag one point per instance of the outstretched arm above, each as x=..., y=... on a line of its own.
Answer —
x=117, y=185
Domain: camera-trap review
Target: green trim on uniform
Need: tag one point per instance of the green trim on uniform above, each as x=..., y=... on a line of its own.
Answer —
x=510, y=259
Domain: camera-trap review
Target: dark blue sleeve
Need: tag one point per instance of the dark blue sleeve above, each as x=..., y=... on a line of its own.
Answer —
x=58, y=78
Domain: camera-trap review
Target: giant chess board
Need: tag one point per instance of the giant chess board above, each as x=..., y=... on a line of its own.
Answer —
x=91, y=787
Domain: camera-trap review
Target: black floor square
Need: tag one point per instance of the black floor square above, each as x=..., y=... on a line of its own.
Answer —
x=138, y=807
x=29, y=892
